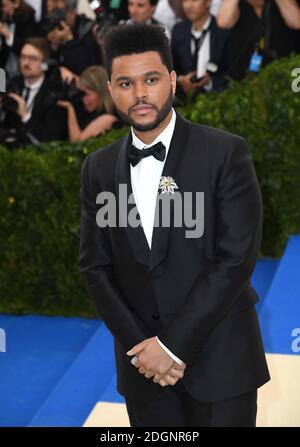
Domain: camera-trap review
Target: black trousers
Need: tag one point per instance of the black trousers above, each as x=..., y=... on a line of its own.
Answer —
x=176, y=408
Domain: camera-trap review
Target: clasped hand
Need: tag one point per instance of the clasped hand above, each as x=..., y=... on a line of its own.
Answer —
x=154, y=361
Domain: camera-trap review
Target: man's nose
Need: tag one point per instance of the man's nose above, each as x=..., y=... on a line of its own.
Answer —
x=140, y=90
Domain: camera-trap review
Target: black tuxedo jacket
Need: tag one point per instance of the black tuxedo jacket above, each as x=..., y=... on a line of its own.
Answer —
x=193, y=293
x=25, y=28
x=219, y=50
x=47, y=122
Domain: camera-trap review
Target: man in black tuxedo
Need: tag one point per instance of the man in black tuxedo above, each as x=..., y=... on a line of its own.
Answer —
x=178, y=302
x=32, y=115
x=70, y=36
x=200, y=49
x=17, y=23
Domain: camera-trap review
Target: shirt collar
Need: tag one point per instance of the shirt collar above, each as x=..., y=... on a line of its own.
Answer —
x=165, y=136
x=36, y=85
x=205, y=27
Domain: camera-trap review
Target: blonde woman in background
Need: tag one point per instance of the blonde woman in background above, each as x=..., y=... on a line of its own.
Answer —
x=96, y=100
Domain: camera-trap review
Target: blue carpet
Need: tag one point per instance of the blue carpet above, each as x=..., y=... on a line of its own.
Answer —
x=111, y=394
x=262, y=278
x=81, y=386
x=280, y=313
x=56, y=369
x=38, y=351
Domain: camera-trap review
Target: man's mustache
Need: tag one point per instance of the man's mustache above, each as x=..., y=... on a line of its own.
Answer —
x=140, y=103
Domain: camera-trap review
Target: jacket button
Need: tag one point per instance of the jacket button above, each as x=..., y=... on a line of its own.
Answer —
x=157, y=273
x=201, y=345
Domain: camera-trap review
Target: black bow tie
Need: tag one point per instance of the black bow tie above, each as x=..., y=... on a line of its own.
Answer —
x=135, y=155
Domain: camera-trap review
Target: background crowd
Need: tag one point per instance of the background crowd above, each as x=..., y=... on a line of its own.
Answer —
x=55, y=74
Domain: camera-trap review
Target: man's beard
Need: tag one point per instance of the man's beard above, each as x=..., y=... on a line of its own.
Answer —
x=162, y=113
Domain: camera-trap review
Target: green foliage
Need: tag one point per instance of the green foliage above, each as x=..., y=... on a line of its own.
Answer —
x=266, y=112
x=39, y=201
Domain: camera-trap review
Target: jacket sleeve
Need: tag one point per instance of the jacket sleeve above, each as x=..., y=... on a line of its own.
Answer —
x=49, y=127
x=95, y=263
x=174, y=50
x=238, y=236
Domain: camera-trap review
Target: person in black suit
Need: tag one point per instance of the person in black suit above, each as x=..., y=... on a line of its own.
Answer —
x=70, y=36
x=17, y=23
x=260, y=28
x=31, y=114
x=200, y=49
x=141, y=11
x=175, y=293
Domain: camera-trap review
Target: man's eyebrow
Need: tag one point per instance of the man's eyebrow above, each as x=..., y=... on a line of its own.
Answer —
x=151, y=73
x=123, y=78
x=128, y=78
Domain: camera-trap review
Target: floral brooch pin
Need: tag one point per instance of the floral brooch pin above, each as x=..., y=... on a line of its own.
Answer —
x=167, y=185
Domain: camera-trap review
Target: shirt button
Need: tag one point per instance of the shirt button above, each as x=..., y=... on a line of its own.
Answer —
x=157, y=272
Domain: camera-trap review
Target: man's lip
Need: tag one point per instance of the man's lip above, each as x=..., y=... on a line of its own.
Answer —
x=142, y=107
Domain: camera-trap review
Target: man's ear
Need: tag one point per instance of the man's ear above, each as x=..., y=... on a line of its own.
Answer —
x=173, y=78
x=109, y=88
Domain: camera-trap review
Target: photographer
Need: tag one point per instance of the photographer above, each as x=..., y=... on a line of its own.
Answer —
x=200, y=50
x=262, y=31
x=141, y=11
x=29, y=109
x=70, y=35
x=97, y=114
x=17, y=23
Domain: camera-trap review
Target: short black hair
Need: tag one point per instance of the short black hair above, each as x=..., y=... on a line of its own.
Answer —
x=123, y=40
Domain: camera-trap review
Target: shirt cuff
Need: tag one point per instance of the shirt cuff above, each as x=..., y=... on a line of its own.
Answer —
x=177, y=360
x=10, y=40
x=208, y=87
x=26, y=118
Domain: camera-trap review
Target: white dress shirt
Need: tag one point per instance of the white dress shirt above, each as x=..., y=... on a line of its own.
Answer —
x=215, y=6
x=165, y=14
x=37, y=6
x=34, y=89
x=204, y=51
x=145, y=178
x=11, y=28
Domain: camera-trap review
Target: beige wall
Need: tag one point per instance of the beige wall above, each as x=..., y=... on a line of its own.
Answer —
x=278, y=400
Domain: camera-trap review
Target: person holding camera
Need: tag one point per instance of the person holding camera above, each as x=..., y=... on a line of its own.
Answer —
x=141, y=11
x=200, y=50
x=262, y=31
x=70, y=36
x=30, y=113
x=17, y=23
x=96, y=114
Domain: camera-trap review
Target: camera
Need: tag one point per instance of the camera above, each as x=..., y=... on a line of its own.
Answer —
x=53, y=20
x=194, y=79
x=211, y=68
x=9, y=104
x=104, y=19
x=67, y=91
x=4, y=18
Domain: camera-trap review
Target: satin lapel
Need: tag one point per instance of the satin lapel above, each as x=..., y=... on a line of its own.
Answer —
x=187, y=53
x=160, y=237
x=213, y=57
x=136, y=236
